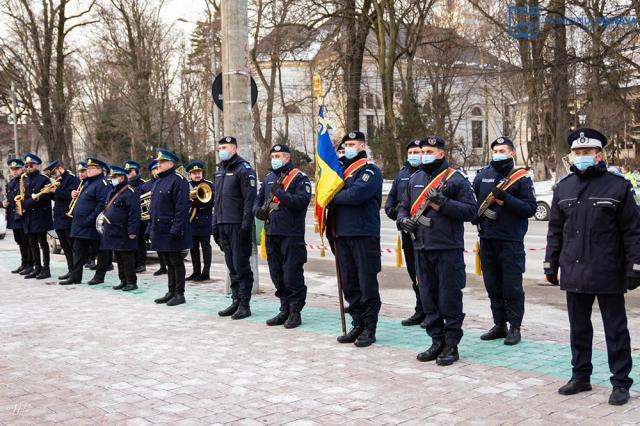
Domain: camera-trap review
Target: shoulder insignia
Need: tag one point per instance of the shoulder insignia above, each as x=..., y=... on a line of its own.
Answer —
x=246, y=165
x=70, y=173
x=179, y=175
x=105, y=182
x=143, y=180
x=208, y=181
x=131, y=189
x=252, y=181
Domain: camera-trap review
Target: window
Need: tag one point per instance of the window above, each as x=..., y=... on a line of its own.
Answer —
x=476, y=111
x=476, y=134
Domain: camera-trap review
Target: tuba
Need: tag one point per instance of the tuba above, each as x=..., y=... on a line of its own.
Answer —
x=20, y=197
x=45, y=189
x=145, y=206
x=202, y=192
x=73, y=202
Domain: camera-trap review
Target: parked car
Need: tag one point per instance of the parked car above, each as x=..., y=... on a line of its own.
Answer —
x=3, y=224
x=543, y=206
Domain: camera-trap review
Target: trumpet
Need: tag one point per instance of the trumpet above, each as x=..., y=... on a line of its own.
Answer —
x=203, y=193
x=145, y=206
x=72, y=204
x=20, y=197
x=47, y=188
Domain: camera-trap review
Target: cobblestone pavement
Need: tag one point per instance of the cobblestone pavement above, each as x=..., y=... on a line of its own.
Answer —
x=91, y=355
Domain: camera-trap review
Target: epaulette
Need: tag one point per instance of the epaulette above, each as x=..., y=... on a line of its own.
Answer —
x=565, y=176
x=68, y=171
x=179, y=175
x=105, y=182
x=618, y=174
x=143, y=180
x=131, y=188
x=246, y=165
x=208, y=181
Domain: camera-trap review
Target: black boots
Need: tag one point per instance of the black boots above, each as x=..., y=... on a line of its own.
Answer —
x=366, y=338
x=44, y=273
x=65, y=276
x=96, y=280
x=414, y=319
x=279, y=319
x=498, y=331
x=119, y=286
x=34, y=273
x=131, y=287
x=26, y=271
x=164, y=299
x=140, y=269
x=177, y=299
x=448, y=356
x=294, y=320
x=619, y=396
x=193, y=275
x=242, y=312
x=513, y=336
x=19, y=269
x=231, y=309
x=69, y=281
x=202, y=277
x=575, y=386
x=160, y=271
x=432, y=353
x=352, y=335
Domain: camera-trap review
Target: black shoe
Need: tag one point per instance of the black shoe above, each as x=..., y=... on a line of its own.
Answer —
x=414, y=319
x=448, y=356
x=177, y=299
x=90, y=265
x=18, y=269
x=131, y=287
x=26, y=271
x=69, y=281
x=423, y=324
x=96, y=281
x=192, y=276
x=110, y=268
x=498, y=331
x=227, y=312
x=293, y=321
x=366, y=338
x=513, y=337
x=160, y=271
x=140, y=269
x=119, y=286
x=241, y=313
x=574, y=386
x=65, y=276
x=279, y=319
x=432, y=353
x=44, y=273
x=93, y=266
x=202, y=277
x=164, y=299
x=352, y=335
x=33, y=273
x=619, y=396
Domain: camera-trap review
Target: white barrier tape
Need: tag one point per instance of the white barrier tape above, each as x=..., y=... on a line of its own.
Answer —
x=393, y=250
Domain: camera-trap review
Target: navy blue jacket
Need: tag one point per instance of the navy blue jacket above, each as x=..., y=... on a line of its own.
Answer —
x=447, y=224
x=146, y=186
x=202, y=223
x=594, y=232
x=512, y=219
x=62, y=198
x=91, y=202
x=398, y=188
x=14, y=221
x=170, y=230
x=37, y=214
x=234, y=193
x=355, y=209
x=138, y=184
x=122, y=219
x=289, y=219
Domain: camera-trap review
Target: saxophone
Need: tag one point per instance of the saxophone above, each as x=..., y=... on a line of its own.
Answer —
x=20, y=197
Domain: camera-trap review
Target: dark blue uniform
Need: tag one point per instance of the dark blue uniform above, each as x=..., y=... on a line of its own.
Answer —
x=354, y=227
x=202, y=223
x=439, y=251
x=234, y=196
x=201, y=230
x=14, y=222
x=37, y=220
x=61, y=222
x=502, y=252
x=140, y=185
x=594, y=239
x=285, y=227
x=398, y=189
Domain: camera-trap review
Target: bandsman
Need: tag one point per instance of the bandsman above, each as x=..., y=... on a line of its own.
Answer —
x=136, y=182
x=145, y=188
x=169, y=228
x=201, y=221
x=233, y=222
x=594, y=240
x=282, y=204
x=353, y=228
x=81, y=171
x=14, y=220
x=437, y=202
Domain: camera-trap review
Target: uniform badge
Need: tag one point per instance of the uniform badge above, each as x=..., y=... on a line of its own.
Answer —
x=277, y=148
x=308, y=188
x=13, y=164
x=582, y=138
x=352, y=135
x=416, y=143
x=28, y=159
x=365, y=177
x=432, y=141
x=227, y=139
x=500, y=141
x=252, y=182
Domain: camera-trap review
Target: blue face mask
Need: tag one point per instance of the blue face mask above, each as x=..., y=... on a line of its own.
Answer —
x=276, y=163
x=428, y=158
x=500, y=157
x=350, y=152
x=414, y=159
x=115, y=181
x=224, y=155
x=584, y=162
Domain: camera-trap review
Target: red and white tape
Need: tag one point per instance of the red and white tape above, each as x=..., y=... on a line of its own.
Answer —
x=393, y=250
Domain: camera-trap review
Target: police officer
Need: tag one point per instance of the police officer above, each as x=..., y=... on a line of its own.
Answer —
x=234, y=195
x=437, y=202
x=145, y=188
x=594, y=239
x=91, y=199
x=353, y=229
x=169, y=228
x=340, y=152
x=61, y=194
x=14, y=220
x=398, y=189
x=508, y=195
x=136, y=182
x=37, y=218
x=201, y=221
x=282, y=204
x=121, y=224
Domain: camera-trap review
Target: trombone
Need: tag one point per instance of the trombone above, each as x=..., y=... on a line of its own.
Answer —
x=203, y=193
x=47, y=188
x=73, y=202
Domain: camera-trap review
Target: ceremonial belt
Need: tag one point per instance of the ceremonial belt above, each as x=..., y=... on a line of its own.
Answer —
x=442, y=176
x=110, y=203
x=512, y=178
x=354, y=168
x=287, y=182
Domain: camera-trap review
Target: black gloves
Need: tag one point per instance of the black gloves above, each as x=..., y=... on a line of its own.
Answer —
x=435, y=196
x=407, y=225
x=263, y=215
x=553, y=279
x=499, y=194
x=245, y=235
x=392, y=213
x=633, y=283
x=275, y=188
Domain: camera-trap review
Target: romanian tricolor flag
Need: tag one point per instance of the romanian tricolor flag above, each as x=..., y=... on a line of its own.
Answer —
x=329, y=179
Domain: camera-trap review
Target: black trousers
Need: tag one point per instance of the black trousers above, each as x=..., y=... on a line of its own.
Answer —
x=502, y=268
x=236, y=256
x=175, y=270
x=359, y=264
x=67, y=246
x=37, y=242
x=104, y=259
x=82, y=251
x=410, y=261
x=126, y=266
x=141, y=252
x=441, y=277
x=286, y=257
x=23, y=244
x=614, y=320
x=205, y=243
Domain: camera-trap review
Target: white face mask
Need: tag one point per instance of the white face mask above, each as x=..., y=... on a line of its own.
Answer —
x=115, y=181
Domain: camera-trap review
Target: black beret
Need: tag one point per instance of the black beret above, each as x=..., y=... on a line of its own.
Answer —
x=280, y=148
x=434, y=141
x=586, y=138
x=502, y=140
x=228, y=140
x=356, y=135
x=413, y=144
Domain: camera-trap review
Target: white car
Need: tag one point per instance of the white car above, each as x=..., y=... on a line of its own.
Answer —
x=3, y=224
x=543, y=206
